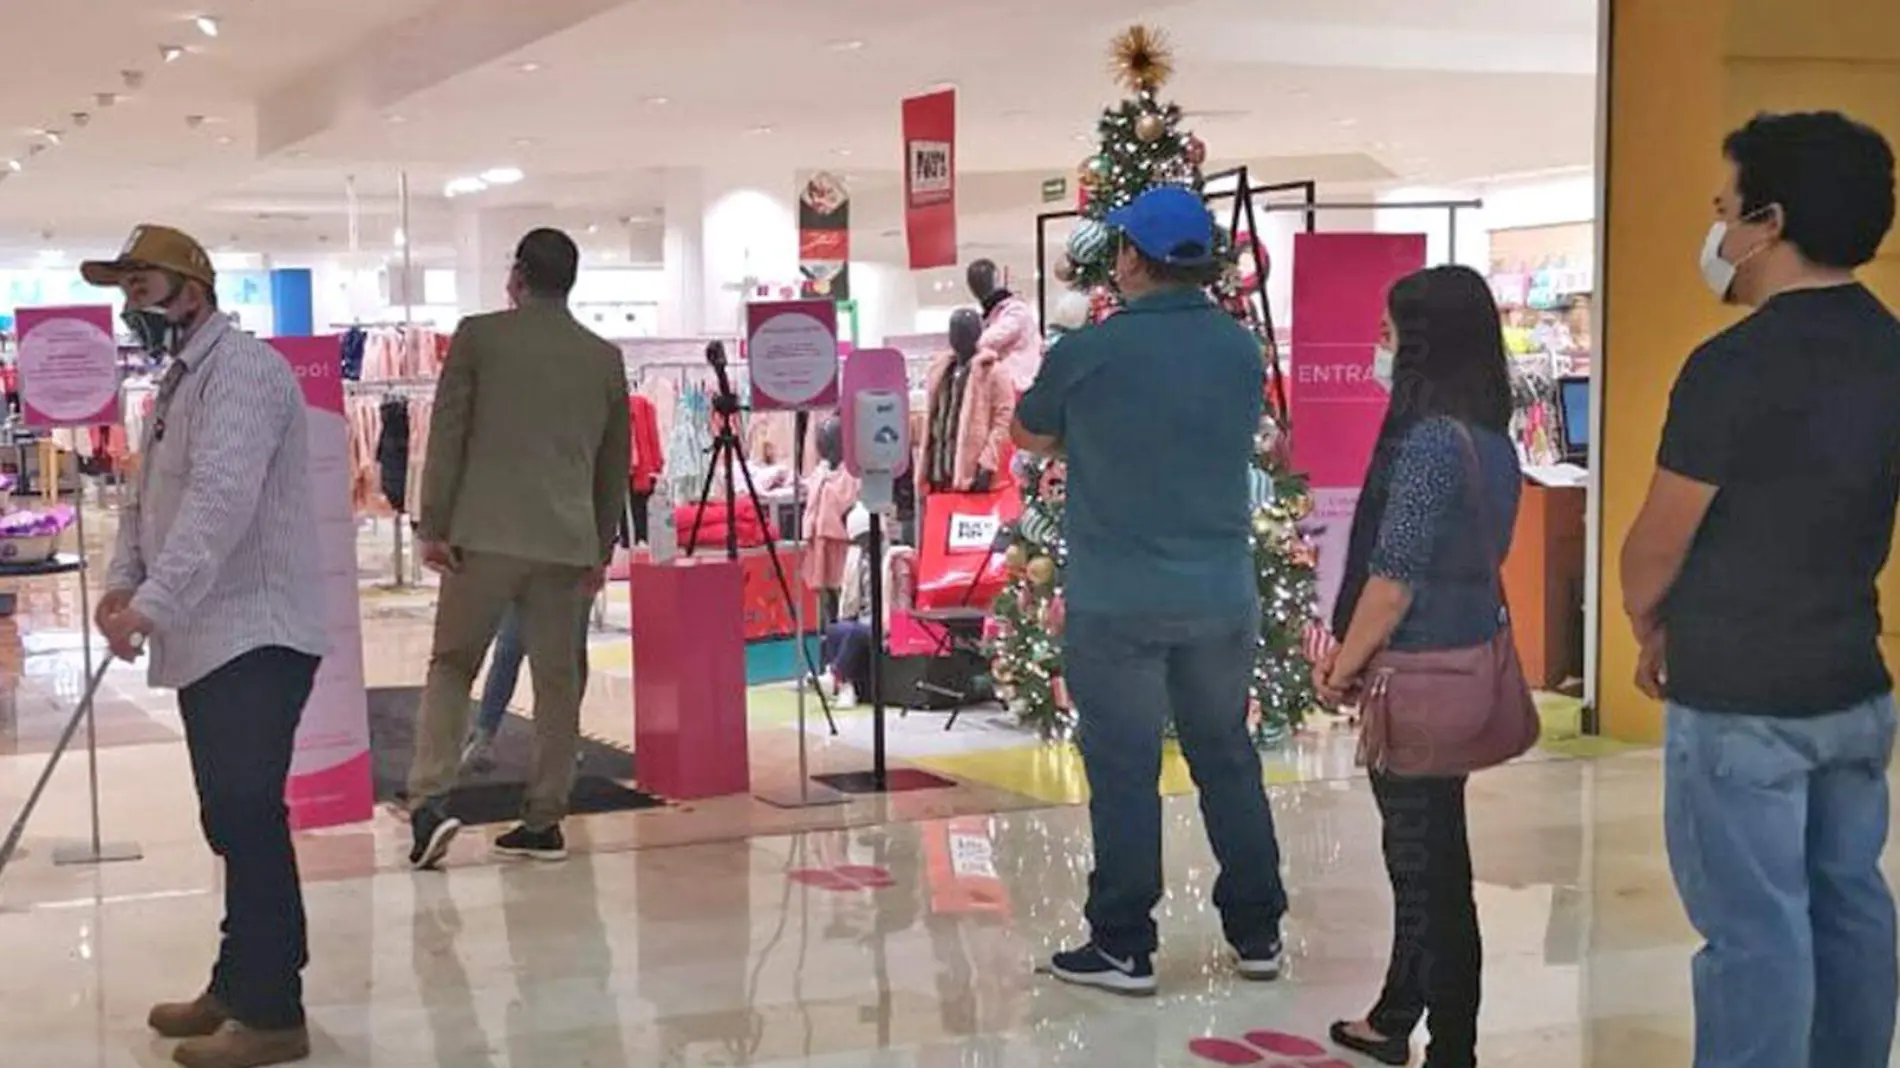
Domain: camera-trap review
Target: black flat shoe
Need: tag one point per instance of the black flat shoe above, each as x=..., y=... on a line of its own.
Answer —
x=1393, y=1051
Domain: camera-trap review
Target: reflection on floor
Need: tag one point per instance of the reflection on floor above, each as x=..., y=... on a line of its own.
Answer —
x=889, y=931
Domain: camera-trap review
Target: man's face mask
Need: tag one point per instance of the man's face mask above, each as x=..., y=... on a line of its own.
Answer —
x=155, y=311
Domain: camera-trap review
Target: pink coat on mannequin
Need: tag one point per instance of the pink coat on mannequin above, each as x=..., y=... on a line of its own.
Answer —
x=989, y=403
x=1009, y=331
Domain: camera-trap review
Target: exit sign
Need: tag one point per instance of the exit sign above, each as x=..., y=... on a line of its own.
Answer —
x=1055, y=190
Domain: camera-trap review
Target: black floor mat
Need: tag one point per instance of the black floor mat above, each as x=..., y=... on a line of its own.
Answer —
x=495, y=796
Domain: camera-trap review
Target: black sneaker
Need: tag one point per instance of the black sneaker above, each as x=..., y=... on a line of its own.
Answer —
x=1261, y=965
x=1393, y=1051
x=434, y=829
x=1133, y=976
x=523, y=841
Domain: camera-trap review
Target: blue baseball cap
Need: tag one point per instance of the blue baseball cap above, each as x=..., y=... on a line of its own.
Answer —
x=1170, y=225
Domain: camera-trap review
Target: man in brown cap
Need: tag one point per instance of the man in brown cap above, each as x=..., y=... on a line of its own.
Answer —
x=216, y=564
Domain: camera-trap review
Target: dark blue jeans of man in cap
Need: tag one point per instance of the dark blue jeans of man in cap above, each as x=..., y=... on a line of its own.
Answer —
x=1127, y=674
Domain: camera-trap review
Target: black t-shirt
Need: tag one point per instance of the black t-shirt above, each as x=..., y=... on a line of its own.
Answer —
x=1794, y=415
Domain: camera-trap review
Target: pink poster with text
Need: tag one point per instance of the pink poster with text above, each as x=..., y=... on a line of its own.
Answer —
x=68, y=366
x=1339, y=288
x=330, y=781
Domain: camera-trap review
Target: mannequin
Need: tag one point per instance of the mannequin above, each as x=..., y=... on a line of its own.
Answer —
x=829, y=494
x=971, y=401
x=1009, y=326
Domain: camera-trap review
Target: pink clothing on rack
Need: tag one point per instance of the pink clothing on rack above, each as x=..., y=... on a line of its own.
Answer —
x=829, y=495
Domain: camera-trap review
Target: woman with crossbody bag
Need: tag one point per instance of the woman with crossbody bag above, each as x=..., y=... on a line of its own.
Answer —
x=1425, y=648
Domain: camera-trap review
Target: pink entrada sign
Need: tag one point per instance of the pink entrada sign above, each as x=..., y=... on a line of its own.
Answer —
x=330, y=780
x=69, y=366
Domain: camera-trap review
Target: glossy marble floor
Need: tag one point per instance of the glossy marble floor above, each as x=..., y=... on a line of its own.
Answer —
x=897, y=931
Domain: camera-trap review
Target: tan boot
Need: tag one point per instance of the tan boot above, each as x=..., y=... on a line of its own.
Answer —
x=188, y=1019
x=238, y=1046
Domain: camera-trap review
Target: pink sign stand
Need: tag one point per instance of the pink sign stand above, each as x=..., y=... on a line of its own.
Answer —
x=689, y=708
x=330, y=782
x=1340, y=283
x=791, y=355
x=69, y=367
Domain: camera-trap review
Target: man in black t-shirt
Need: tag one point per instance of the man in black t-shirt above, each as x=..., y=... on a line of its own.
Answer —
x=1750, y=579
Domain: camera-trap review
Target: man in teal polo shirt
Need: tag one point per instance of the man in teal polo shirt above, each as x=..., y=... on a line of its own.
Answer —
x=1156, y=411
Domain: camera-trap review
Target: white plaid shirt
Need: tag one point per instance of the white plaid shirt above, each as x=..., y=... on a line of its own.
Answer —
x=219, y=540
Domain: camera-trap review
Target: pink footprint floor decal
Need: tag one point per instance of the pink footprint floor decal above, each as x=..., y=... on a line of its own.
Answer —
x=1271, y=1049
x=847, y=879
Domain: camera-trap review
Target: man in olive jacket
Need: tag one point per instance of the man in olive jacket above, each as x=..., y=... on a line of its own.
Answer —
x=521, y=501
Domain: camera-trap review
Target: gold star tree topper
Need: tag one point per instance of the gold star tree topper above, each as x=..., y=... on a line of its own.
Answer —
x=1142, y=60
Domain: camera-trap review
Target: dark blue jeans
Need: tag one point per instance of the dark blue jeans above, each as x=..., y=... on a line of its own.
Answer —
x=240, y=728
x=846, y=650
x=1128, y=675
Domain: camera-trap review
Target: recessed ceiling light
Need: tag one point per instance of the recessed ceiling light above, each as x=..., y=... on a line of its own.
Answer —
x=1348, y=123
x=399, y=238
x=15, y=166
x=760, y=130
x=502, y=175
x=845, y=152
x=207, y=25
x=593, y=228
x=224, y=139
x=529, y=67
x=851, y=45
x=658, y=101
x=395, y=120
x=53, y=137
x=458, y=187
x=525, y=142
x=170, y=53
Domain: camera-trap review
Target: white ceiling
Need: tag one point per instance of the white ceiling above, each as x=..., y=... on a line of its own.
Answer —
x=295, y=95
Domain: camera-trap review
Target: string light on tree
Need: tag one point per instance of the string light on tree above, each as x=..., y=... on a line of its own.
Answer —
x=1142, y=144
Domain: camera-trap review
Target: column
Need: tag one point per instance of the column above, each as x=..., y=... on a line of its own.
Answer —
x=749, y=230
x=683, y=311
x=1681, y=76
x=484, y=251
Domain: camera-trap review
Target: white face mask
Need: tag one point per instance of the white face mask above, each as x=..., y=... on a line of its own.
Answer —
x=1383, y=360
x=1717, y=273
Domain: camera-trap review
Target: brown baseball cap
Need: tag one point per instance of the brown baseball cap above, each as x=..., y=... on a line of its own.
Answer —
x=153, y=246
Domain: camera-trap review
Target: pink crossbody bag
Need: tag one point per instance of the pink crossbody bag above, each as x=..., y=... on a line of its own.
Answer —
x=1450, y=711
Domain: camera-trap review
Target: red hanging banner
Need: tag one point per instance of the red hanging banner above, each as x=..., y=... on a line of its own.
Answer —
x=930, y=179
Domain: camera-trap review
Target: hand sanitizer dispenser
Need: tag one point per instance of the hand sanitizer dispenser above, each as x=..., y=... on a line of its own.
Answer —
x=882, y=426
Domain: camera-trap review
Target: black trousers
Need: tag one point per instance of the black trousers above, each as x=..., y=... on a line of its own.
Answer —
x=240, y=725
x=1437, y=953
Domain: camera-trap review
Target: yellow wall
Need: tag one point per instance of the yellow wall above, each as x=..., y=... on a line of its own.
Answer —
x=1681, y=74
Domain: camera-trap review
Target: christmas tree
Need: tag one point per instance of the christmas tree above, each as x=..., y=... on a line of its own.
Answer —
x=1142, y=145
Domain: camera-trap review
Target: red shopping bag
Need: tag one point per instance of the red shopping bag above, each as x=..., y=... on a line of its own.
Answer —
x=956, y=567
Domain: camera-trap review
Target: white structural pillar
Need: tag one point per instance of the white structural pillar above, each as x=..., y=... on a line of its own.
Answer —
x=683, y=308
x=748, y=230
x=484, y=249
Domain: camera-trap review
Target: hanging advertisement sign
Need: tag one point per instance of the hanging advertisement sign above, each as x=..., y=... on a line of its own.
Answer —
x=930, y=179
x=791, y=355
x=1339, y=289
x=824, y=237
x=68, y=367
x=330, y=768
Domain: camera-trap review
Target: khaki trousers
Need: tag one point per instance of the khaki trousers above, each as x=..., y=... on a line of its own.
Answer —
x=549, y=599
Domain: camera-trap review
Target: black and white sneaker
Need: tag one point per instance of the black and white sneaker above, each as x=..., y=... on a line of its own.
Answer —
x=1262, y=965
x=549, y=845
x=1132, y=976
x=434, y=829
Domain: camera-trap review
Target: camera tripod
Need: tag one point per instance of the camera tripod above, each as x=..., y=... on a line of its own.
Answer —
x=726, y=446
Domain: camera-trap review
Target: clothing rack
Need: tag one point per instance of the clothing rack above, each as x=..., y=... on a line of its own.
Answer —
x=403, y=387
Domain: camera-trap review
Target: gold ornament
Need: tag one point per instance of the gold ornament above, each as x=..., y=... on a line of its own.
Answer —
x=1150, y=127
x=1093, y=170
x=1196, y=151
x=1142, y=60
x=1016, y=558
x=1042, y=571
x=1065, y=272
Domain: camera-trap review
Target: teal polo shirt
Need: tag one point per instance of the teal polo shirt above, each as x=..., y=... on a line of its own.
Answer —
x=1157, y=410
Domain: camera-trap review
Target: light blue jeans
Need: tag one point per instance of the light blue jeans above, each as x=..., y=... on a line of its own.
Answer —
x=504, y=670
x=1775, y=830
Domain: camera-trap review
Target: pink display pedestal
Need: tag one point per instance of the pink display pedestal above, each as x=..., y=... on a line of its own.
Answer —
x=689, y=710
